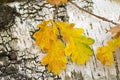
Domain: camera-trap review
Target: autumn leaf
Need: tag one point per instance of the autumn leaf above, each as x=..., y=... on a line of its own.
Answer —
x=56, y=2
x=77, y=44
x=43, y=36
x=55, y=59
x=47, y=39
x=61, y=40
x=115, y=30
x=82, y=53
x=67, y=30
x=105, y=53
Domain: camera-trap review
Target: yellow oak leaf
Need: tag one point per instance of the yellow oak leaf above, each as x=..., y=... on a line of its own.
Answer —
x=43, y=37
x=61, y=40
x=47, y=39
x=81, y=53
x=68, y=31
x=114, y=44
x=55, y=59
x=70, y=48
x=56, y=2
x=77, y=45
x=105, y=53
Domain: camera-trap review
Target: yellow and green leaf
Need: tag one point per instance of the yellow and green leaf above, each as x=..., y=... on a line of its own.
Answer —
x=77, y=45
x=82, y=53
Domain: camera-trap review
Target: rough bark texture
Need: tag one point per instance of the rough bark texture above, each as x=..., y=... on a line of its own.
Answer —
x=20, y=57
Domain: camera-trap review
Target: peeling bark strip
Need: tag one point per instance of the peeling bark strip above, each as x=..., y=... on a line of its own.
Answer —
x=27, y=65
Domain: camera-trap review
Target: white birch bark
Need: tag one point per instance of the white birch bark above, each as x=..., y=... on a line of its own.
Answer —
x=94, y=27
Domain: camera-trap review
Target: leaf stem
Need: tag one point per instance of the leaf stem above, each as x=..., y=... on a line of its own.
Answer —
x=102, y=18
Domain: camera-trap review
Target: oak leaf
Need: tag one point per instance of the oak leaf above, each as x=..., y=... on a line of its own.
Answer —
x=61, y=40
x=81, y=53
x=77, y=45
x=56, y=2
x=115, y=30
x=105, y=53
x=55, y=58
x=43, y=36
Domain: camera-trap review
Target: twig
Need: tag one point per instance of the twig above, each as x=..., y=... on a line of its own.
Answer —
x=102, y=18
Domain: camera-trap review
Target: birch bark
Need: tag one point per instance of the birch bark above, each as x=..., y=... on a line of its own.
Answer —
x=19, y=39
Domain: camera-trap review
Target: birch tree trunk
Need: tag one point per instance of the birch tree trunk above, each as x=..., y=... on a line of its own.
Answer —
x=18, y=39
